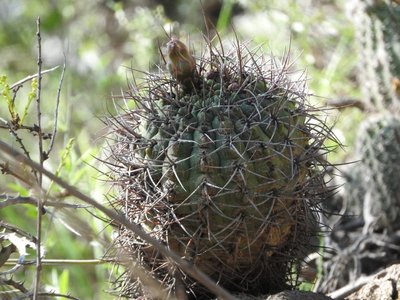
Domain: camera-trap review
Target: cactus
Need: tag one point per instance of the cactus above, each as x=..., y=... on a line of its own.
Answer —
x=228, y=174
x=371, y=186
x=377, y=30
x=351, y=190
x=379, y=148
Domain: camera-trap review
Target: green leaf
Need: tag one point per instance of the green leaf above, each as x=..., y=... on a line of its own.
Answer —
x=64, y=282
x=225, y=15
x=31, y=96
x=5, y=92
x=18, y=189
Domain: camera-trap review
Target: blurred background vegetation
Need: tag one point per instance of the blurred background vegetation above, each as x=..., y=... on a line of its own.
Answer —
x=100, y=41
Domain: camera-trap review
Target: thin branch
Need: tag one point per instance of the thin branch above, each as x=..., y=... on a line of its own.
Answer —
x=341, y=104
x=13, y=270
x=30, y=77
x=41, y=158
x=33, y=129
x=53, y=135
x=5, y=169
x=15, y=229
x=186, y=266
x=57, y=295
x=21, y=144
x=9, y=201
x=59, y=262
x=17, y=285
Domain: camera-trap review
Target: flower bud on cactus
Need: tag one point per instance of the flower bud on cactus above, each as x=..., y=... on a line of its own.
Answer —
x=227, y=174
x=181, y=64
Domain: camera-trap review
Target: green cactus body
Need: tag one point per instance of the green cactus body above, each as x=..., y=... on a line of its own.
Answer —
x=377, y=27
x=227, y=175
x=377, y=24
x=379, y=147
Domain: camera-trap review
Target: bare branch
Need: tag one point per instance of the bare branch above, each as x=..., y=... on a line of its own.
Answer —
x=346, y=103
x=20, y=232
x=68, y=262
x=57, y=295
x=53, y=135
x=41, y=158
x=17, y=285
x=8, y=201
x=6, y=169
x=30, y=77
x=33, y=129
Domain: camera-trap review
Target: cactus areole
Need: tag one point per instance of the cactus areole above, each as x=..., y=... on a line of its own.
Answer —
x=228, y=174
